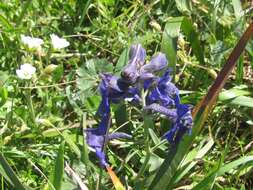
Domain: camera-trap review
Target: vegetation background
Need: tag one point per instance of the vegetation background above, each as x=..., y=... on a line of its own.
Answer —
x=41, y=120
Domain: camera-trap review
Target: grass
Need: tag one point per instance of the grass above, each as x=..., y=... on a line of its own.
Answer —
x=41, y=121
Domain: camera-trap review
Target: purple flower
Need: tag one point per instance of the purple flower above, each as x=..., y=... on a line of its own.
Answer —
x=157, y=63
x=130, y=72
x=171, y=114
x=181, y=126
x=112, y=89
x=133, y=95
x=164, y=99
x=96, y=138
x=165, y=93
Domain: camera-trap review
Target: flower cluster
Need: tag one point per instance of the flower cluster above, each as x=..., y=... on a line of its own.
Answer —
x=26, y=70
x=161, y=96
x=32, y=42
x=35, y=43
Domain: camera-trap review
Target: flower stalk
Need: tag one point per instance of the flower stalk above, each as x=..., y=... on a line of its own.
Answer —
x=30, y=105
x=139, y=85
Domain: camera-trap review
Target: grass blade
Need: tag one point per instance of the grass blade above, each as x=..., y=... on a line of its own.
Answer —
x=5, y=23
x=191, y=163
x=71, y=143
x=221, y=171
x=24, y=11
x=59, y=168
x=200, y=113
x=10, y=173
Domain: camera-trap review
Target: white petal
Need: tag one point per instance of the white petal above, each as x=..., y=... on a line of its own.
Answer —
x=26, y=71
x=20, y=74
x=31, y=42
x=58, y=43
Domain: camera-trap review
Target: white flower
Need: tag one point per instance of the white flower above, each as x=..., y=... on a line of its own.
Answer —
x=58, y=43
x=32, y=42
x=26, y=71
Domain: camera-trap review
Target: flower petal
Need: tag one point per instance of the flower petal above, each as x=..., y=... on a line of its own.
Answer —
x=58, y=43
x=170, y=113
x=101, y=156
x=119, y=135
x=157, y=63
x=130, y=72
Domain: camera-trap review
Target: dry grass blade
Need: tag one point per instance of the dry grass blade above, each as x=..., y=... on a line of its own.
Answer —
x=75, y=176
x=116, y=182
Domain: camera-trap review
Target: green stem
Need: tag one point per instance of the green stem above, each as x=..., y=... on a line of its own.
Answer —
x=147, y=124
x=157, y=145
x=40, y=63
x=105, y=143
x=85, y=156
x=99, y=179
x=49, y=53
x=147, y=148
x=30, y=105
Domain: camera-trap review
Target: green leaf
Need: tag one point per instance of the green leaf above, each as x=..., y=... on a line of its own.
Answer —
x=85, y=83
x=3, y=95
x=4, y=174
x=84, y=8
x=103, y=66
x=71, y=143
x=59, y=168
x=169, y=41
x=5, y=23
x=153, y=136
x=242, y=101
x=189, y=162
x=90, y=66
x=154, y=162
x=25, y=7
x=232, y=93
x=122, y=61
x=193, y=38
x=58, y=73
x=237, y=97
x=238, y=9
x=183, y=6
x=121, y=115
x=88, y=77
x=72, y=101
x=3, y=77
